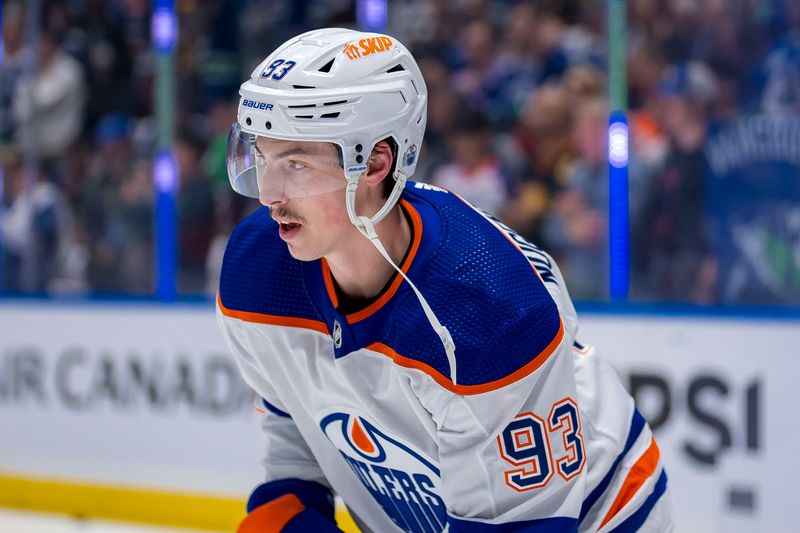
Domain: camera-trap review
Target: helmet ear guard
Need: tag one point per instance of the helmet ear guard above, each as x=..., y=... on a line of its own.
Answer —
x=355, y=154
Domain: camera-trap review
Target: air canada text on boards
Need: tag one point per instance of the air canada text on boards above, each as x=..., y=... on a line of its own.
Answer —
x=80, y=379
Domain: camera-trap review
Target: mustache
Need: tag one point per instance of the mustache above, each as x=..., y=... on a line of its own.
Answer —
x=286, y=214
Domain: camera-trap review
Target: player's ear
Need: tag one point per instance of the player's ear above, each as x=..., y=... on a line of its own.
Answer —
x=379, y=164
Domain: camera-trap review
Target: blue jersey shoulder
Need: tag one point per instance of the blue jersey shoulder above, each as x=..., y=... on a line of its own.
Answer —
x=259, y=275
x=482, y=287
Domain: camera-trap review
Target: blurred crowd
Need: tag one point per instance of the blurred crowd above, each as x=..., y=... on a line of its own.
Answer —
x=518, y=118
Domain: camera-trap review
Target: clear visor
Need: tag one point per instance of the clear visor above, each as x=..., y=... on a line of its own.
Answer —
x=284, y=169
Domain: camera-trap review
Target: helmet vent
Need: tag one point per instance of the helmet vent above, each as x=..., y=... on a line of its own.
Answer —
x=327, y=66
x=396, y=68
x=335, y=102
x=304, y=116
x=302, y=106
x=330, y=115
x=303, y=87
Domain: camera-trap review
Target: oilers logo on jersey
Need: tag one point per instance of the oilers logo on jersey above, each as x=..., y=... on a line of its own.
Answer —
x=402, y=480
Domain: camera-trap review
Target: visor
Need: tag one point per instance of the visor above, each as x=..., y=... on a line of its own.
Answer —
x=302, y=169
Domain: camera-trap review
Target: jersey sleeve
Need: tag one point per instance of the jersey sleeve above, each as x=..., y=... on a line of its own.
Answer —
x=287, y=455
x=511, y=450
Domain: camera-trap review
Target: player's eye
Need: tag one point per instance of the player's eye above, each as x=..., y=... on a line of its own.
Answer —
x=296, y=165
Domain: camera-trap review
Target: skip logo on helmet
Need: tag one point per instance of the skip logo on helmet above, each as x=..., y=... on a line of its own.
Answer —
x=368, y=46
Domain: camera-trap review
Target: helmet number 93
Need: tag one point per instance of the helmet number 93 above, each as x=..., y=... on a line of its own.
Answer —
x=274, y=72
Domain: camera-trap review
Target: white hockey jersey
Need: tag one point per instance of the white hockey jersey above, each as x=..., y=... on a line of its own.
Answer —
x=537, y=433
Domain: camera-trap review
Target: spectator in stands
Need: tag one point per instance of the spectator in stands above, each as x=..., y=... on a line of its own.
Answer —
x=546, y=47
x=512, y=71
x=542, y=143
x=443, y=105
x=475, y=172
x=15, y=230
x=648, y=142
x=478, y=50
x=781, y=70
x=414, y=22
x=196, y=211
x=36, y=231
x=12, y=64
x=135, y=218
x=100, y=201
x=584, y=82
x=48, y=107
x=671, y=247
x=112, y=79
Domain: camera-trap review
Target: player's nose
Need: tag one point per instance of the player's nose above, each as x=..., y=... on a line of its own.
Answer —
x=272, y=194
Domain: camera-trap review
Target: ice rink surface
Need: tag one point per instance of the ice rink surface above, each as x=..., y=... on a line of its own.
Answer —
x=14, y=521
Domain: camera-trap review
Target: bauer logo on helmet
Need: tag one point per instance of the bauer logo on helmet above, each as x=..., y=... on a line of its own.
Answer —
x=256, y=104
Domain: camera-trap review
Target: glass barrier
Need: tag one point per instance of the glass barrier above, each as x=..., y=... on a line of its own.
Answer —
x=518, y=125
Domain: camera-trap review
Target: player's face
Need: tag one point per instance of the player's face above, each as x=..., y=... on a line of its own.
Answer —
x=311, y=223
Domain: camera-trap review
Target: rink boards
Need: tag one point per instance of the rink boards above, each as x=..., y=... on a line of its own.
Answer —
x=135, y=411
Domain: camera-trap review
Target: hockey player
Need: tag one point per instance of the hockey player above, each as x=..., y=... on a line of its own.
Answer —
x=414, y=355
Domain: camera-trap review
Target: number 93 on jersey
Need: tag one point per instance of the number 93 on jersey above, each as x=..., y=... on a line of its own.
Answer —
x=528, y=443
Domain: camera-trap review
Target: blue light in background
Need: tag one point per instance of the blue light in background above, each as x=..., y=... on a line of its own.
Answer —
x=165, y=181
x=371, y=15
x=165, y=173
x=164, y=27
x=618, y=144
x=618, y=230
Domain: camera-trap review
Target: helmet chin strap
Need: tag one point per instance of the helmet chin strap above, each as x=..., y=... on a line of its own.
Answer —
x=366, y=226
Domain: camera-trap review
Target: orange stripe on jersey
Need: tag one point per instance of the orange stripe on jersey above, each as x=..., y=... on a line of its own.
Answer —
x=272, y=517
x=466, y=390
x=644, y=467
x=275, y=320
x=416, y=221
x=328, y=279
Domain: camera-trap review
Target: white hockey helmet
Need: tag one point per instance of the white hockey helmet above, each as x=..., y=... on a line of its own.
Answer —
x=334, y=85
